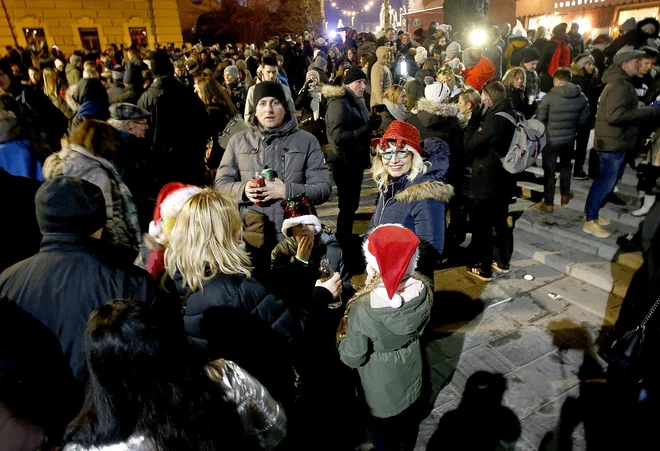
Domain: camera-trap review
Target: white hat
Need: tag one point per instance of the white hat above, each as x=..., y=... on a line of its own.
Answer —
x=420, y=55
x=437, y=92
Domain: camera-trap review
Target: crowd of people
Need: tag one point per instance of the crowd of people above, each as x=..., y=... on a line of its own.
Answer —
x=166, y=258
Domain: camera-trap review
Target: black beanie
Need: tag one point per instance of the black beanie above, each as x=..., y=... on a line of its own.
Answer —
x=70, y=205
x=354, y=74
x=269, y=89
x=530, y=54
x=161, y=64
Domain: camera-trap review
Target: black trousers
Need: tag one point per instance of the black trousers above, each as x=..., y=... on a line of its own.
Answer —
x=397, y=433
x=581, y=148
x=488, y=216
x=348, y=178
x=550, y=155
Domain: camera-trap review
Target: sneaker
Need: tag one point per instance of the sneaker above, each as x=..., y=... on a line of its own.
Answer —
x=604, y=221
x=580, y=175
x=501, y=269
x=545, y=208
x=477, y=272
x=566, y=199
x=595, y=229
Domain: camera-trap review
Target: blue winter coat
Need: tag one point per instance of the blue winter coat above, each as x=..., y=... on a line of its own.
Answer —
x=17, y=159
x=419, y=205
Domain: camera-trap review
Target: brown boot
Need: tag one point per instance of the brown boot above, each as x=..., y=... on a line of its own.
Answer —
x=545, y=208
x=566, y=199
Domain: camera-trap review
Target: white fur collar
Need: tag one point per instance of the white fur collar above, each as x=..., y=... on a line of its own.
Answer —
x=408, y=289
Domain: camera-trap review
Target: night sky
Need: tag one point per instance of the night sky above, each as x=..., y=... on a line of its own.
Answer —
x=332, y=15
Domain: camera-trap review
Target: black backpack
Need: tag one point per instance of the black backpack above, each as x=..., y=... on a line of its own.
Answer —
x=516, y=57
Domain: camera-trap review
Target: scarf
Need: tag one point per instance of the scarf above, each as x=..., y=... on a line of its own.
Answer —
x=395, y=110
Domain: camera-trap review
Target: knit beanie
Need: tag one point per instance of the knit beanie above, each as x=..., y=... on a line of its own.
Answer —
x=320, y=62
x=420, y=55
x=560, y=29
x=471, y=56
x=269, y=89
x=233, y=71
x=530, y=54
x=313, y=73
x=437, y=92
x=354, y=74
x=70, y=205
x=453, y=50
x=583, y=60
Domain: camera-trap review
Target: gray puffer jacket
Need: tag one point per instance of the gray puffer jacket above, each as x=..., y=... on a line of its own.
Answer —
x=294, y=154
x=618, y=117
x=562, y=110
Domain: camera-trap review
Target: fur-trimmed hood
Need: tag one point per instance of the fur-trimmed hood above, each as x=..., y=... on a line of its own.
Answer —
x=430, y=185
x=579, y=71
x=330, y=91
x=437, y=109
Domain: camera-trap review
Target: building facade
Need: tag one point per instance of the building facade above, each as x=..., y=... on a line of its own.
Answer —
x=422, y=12
x=77, y=24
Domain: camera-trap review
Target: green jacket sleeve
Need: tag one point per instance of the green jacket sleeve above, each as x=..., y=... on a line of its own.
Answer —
x=354, y=348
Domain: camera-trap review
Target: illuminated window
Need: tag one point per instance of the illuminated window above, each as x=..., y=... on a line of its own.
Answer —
x=35, y=37
x=138, y=36
x=90, y=38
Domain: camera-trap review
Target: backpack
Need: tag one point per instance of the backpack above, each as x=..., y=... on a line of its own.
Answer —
x=516, y=57
x=561, y=57
x=528, y=140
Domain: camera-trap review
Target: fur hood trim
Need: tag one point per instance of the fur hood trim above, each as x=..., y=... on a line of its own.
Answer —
x=424, y=191
x=438, y=109
x=329, y=91
x=577, y=70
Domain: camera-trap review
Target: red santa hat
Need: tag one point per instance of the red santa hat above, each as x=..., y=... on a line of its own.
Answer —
x=299, y=210
x=392, y=251
x=168, y=204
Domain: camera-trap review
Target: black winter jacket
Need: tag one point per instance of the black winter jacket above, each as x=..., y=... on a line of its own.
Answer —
x=347, y=129
x=591, y=86
x=562, y=110
x=619, y=117
x=517, y=98
x=179, y=130
x=487, y=140
x=65, y=281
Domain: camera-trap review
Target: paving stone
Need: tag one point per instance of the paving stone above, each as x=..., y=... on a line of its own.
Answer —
x=454, y=280
x=515, y=283
x=524, y=345
x=550, y=376
x=525, y=310
x=581, y=293
x=521, y=397
x=482, y=358
x=544, y=422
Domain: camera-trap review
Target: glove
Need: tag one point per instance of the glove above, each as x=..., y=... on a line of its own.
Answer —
x=374, y=121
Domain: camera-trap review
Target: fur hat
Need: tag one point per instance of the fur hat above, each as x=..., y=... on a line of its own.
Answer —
x=168, y=205
x=626, y=53
x=453, y=50
x=392, y=251
x=437, y=92
x=583, y=60
x=299, y=210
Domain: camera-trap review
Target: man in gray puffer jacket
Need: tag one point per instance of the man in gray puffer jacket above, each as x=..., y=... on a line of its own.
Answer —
x=561, y=110
x=272, y=141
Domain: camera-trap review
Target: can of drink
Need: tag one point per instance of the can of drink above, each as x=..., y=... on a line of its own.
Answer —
x=268, y=174
x=258, y=180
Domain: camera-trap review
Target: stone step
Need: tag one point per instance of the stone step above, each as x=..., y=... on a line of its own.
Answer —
x=608, y=276
x=564, y=227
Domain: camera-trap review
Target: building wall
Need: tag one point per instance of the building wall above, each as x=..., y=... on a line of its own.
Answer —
x=61, y=20
x=500, y=11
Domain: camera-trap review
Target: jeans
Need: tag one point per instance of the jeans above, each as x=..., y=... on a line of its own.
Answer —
x=611, y=164
x=550, y=154
x=486, y=217
x=348, y=178
x=581, y=148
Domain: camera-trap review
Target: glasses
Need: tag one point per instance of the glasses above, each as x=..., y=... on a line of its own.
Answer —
x=400, y=154
x=387, y=149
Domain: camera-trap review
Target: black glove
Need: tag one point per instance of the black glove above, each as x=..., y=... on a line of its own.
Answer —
x=374, y=121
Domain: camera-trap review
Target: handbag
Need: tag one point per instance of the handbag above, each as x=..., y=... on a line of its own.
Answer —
x=625, y=353
x=235, y=125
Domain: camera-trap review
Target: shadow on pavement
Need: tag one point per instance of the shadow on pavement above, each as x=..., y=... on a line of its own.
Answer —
x=480, y=422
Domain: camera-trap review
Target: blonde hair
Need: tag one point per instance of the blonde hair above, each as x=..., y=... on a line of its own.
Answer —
x=242, y=68
x=471, y=96
x=202, y=242
x=50, y=82
x=382, y=178
x=393, y=92
x=512, y=74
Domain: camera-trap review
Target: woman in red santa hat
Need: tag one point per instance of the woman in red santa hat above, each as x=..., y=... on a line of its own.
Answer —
x=411, y=179
x=381, y=337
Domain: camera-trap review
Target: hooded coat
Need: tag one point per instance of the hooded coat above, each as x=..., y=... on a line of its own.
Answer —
x=478, y=75
x=381, y=76
x=415, y=87
x=514, y=49
x=618, y=117
x=562, y=110
x=347, y=125
x=296, y=157
x=636, y=37
x=73, y=74
x=439, y=120
x=419, y=205
x=383, y=343
x=16, y=154
x=590, y=84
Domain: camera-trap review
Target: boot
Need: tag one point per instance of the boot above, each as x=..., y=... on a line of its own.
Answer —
x=565, y=199
x=647, y=203
x=545, y=208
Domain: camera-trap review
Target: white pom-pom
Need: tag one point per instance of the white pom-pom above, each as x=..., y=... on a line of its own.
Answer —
x=396, y=301
x=155, y=228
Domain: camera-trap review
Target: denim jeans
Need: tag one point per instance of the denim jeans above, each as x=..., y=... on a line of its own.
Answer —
x=611, y=164
x=550, y=154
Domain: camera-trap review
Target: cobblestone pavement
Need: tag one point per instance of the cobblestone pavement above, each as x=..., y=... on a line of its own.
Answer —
x=540, y=334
